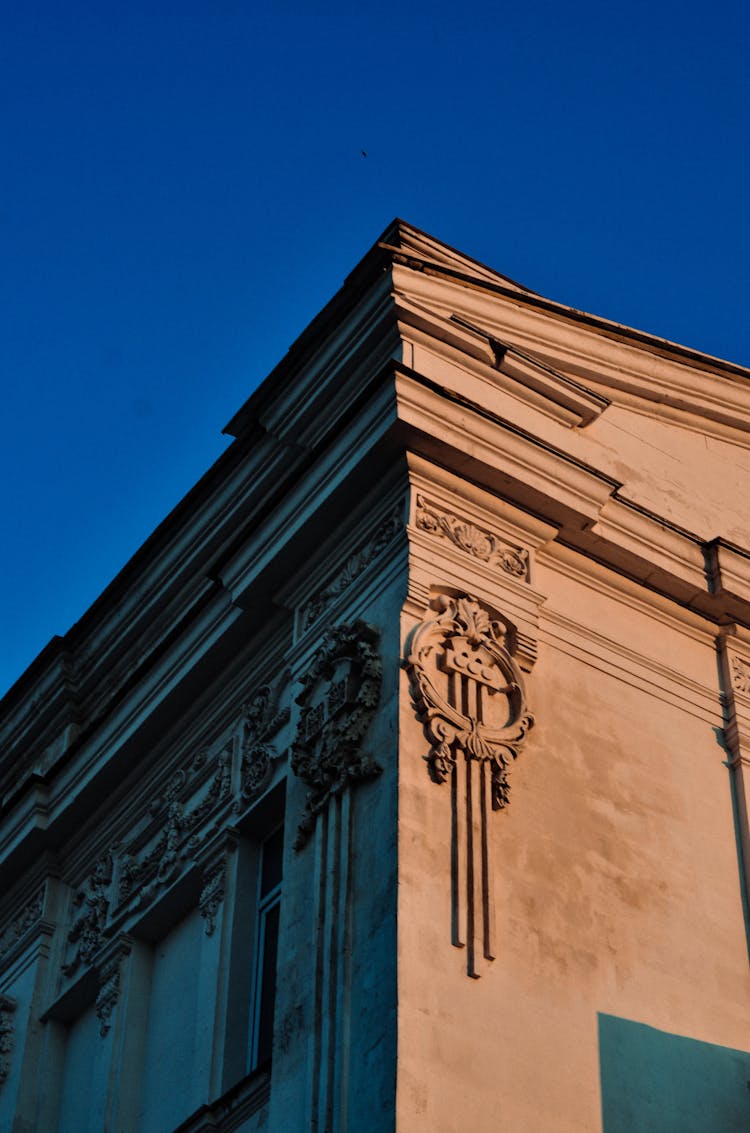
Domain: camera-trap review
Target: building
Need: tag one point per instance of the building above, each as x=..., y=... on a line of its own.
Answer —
x=400, y=781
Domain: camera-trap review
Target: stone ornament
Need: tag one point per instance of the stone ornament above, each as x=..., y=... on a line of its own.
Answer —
x=353, y=566
x=7, y=1009
x=475, y=541
x=212, y=895
x=469, y=695
x=29, y=916
x=90, y=906
x=339, y=696
x=468, y=691
x=260, y=721
x=108, y=995
x=740, y=675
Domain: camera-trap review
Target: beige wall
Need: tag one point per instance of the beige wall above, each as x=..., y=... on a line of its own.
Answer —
x=616, y=884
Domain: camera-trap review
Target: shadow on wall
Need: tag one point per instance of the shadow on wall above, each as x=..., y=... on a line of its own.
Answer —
x=654, y=1082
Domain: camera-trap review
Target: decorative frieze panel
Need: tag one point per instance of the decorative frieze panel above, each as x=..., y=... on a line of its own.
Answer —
x=339, y=696
x=473, y=540
x=469, y=695
x=29, y=916
x=352, y=567
x=174, y=829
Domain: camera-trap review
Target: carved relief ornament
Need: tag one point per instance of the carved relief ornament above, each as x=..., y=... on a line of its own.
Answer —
x=353, y=566
x=468, y=691
x=340, y=693
x=7, y=1009
x=260, y=721
x=740, y=675
x=469, y=696
x=475, y=541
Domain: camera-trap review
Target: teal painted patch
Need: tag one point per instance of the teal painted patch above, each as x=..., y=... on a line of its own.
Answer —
x=656, y=1082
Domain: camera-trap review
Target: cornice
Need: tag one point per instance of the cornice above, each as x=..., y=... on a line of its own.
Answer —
x=660, y=375
x=552, y=311
x=580, y=501
x=501, y=367
x=631, y=667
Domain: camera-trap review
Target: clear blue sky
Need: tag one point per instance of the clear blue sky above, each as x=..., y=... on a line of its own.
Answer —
x=182, y=188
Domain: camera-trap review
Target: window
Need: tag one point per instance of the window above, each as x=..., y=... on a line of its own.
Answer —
x=266, y=946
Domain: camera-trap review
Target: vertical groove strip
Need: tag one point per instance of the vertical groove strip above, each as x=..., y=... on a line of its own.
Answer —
x=470, y=956
x=321, y=853
x=334, y=887
x=346, y=913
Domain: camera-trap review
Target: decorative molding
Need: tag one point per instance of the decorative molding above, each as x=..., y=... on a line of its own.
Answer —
x=469, y=695
x=339, y=696
x=108, y=994
x=30, y=915
x=7, y=1011
x=353, y=566
x=145, y=868
x=174, y=828
x=261, y=719
x=212, y=894
x=473, y=540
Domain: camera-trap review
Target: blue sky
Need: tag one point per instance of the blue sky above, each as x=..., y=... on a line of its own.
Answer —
x=182, y=188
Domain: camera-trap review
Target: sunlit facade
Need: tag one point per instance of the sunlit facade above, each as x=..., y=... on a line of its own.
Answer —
x=399, y=783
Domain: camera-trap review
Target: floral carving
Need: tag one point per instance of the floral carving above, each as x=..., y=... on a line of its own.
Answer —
x=109, y=993
x=212, y=894
x=142, y=874
x=260, y=721
x=740, y=675
x=90, y=903
x=468, y=691
x=28, y=916
x=7, y=1009
x=339, y=696
x=353, y=566
x=475, y=541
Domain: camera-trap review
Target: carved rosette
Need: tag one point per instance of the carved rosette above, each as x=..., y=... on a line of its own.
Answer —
x=469, y=696
x=468, y=691
x=339, y=696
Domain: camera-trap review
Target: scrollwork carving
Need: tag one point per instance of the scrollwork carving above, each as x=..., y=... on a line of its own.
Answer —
x=20, y=925
x=468, y=691
x=260, y=721
x=471, y=539
x=108, y=995
x=353, y=566
x=212, y=894
x=740, y=675
x=90, y=904
x=469, y=696
x=339, y=696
